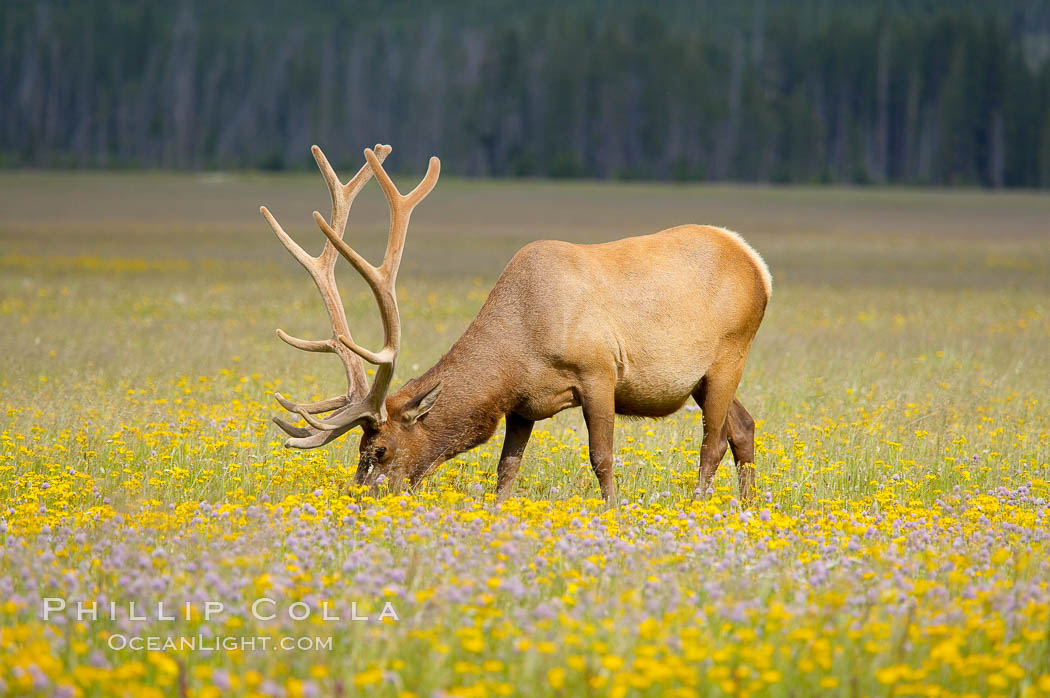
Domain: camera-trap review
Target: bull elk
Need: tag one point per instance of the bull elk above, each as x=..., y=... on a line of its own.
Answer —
x=631, y=327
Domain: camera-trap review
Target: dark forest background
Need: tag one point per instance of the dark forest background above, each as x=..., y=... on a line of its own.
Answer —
x=934, y=91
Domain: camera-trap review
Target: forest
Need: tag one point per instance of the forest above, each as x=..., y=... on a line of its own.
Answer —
x=855, y=91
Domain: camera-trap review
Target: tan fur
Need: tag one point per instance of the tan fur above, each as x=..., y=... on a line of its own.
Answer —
x=632, y=327
x=763, y=269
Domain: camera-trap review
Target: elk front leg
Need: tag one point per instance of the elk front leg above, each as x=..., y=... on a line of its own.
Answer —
x=599, y=411
x=742, y=442
x=518, y=431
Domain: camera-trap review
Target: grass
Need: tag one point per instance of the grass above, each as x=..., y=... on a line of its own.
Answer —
x=899, y=383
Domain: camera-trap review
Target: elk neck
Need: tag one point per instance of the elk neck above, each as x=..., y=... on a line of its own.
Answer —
x=478, y=381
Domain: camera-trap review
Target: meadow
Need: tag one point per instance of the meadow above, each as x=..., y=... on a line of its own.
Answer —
x=899, y=544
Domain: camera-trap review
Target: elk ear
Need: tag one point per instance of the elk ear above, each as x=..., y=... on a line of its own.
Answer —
x=420, y=405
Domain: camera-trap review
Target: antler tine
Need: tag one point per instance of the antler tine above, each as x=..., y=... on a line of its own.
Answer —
x=313, y=407
x=322, y=270
x=292, y=246
x=307, y=438
x=401, y=207
x=427, y=184
x=356, y=261
x=304, y=344
x=291, y=430
x=330, y=177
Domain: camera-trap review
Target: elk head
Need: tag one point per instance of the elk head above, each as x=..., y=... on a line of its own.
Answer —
x=391, y=437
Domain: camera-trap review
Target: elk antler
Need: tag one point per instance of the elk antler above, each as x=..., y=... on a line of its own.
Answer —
x=322, y=269
x=353, y=408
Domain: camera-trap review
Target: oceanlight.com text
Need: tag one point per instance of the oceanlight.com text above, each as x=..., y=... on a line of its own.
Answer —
x=218, y=643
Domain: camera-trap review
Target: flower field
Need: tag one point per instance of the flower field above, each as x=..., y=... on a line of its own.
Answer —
x=899, y=544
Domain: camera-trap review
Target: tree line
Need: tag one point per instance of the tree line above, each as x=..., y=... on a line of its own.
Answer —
x=933, y=92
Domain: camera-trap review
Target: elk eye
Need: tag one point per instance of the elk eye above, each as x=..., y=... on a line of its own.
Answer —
x=380, y=452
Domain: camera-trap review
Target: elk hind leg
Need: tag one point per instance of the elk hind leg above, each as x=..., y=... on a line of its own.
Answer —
x=715, y=396
x=741, y=428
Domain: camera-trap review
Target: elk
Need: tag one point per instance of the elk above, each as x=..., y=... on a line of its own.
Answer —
x=632, y=327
